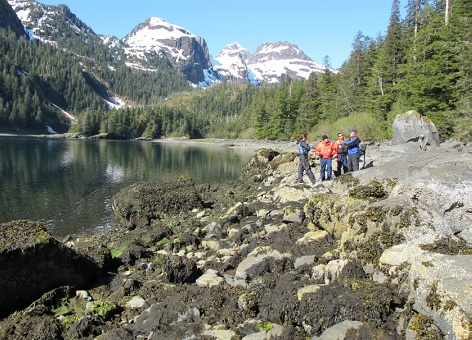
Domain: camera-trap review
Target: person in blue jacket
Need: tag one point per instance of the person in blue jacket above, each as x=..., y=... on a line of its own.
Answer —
x=304, y=165
x=353, y=152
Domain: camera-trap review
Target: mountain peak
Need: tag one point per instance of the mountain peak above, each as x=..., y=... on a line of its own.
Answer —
x=184, y=50
x=269, y=64
x=282, y=50
x=157, y=28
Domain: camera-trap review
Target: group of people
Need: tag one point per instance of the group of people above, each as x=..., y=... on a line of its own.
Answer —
x=345, y=151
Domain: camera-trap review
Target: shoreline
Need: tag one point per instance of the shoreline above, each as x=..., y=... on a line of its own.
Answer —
x=252, y=144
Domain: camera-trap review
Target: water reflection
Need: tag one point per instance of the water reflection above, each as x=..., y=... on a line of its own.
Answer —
x=67, y=184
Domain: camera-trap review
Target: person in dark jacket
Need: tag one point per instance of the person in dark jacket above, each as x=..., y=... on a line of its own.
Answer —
x=353, y=152
x=341, y=155
x=304, y=166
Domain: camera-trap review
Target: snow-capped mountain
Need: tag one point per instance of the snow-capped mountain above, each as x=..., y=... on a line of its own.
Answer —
x=45, y=21
x=269, y=64
x=232, y=64
x=184, y=50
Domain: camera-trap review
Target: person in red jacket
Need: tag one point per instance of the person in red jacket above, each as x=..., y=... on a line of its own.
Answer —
x=325, y=150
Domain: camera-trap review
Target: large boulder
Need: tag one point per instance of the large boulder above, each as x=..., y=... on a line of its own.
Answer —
x=413, y=127
x=32, y=263
x=142, y=203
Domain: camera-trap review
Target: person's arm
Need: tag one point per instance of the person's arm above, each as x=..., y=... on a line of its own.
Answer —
x=352, y=141
x=318, y=150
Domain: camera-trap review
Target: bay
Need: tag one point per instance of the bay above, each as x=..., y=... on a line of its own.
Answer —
x=67, y=184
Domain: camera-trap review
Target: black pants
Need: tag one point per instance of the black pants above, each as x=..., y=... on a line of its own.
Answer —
x=304, y=166
x=353, y=162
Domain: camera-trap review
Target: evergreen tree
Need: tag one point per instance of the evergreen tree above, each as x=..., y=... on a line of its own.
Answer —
x=432, y=71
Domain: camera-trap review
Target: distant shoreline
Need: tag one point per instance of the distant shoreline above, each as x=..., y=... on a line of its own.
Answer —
x=252, y=144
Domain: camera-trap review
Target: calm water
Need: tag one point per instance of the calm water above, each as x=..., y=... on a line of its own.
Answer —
x=67, y=184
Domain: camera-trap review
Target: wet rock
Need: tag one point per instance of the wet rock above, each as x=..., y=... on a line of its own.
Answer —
x=32, y=262
x=89, y=326
x=178, y=269
x=293, y=215
x=260, y=260
x=210, y=278
x=142, y=203
x=340, y=331
x=117, y=334
x=336, y=270
x=357, y=300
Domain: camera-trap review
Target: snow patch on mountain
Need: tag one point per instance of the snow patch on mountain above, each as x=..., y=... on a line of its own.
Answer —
x=269, y=64
x=184, y=50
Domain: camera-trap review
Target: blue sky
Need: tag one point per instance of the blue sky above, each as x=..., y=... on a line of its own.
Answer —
x=318, y=27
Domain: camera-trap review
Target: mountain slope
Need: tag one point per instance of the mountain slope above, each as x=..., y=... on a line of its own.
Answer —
x=185, y=51
x=9, y=19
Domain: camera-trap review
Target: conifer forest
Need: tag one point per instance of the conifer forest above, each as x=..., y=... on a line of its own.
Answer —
x=422, y=63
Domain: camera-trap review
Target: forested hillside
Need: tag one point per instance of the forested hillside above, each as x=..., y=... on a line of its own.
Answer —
x=423, y=63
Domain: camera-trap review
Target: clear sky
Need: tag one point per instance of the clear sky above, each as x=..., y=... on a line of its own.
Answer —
x=318, y=27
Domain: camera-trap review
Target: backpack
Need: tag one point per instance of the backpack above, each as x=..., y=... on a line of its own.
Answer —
x=362, y=147
x=302, y=150
x=342, y=149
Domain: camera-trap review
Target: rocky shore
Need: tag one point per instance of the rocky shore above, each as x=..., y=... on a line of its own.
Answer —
x=382, y=253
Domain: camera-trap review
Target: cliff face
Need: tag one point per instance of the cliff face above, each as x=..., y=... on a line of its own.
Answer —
x=185, y=51
x=383, y=252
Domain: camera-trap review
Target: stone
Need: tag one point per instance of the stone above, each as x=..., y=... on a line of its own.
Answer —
x=140, y=204
x=136, y=302
x=293, y=215
x=210, y=278
x=258, y=261
x=307, y=289
x=336, y=269
x=313, y=236
x=32, y=262
x=339, y=331
x=304, y=260
x=413, y=127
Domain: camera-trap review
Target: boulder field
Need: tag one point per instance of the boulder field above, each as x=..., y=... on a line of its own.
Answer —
x=381, y=253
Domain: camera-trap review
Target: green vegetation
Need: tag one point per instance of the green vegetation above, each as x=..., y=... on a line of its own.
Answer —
x=117, y=251
x=264, y=326
x=102, y=308
x=422, y=63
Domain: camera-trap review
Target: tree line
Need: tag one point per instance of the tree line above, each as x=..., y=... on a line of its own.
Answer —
x=422, y=63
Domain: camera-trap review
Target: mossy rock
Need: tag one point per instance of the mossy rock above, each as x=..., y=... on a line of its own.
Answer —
x=332, y=212
x=142, y=203
x=348, y=180
x=372, y=190
x=448, y=246
x=22, y=234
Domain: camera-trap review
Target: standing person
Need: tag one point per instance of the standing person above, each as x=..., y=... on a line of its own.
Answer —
x=325, y=149
x=353, y=152
x=303, y=148
x=341, y=155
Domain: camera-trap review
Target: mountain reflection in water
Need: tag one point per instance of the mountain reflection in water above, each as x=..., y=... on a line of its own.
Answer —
x=67, y=184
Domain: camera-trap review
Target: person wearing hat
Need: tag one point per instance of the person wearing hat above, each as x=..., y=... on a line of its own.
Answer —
x=304, y=165
x=325, y=150
x=353, y=151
